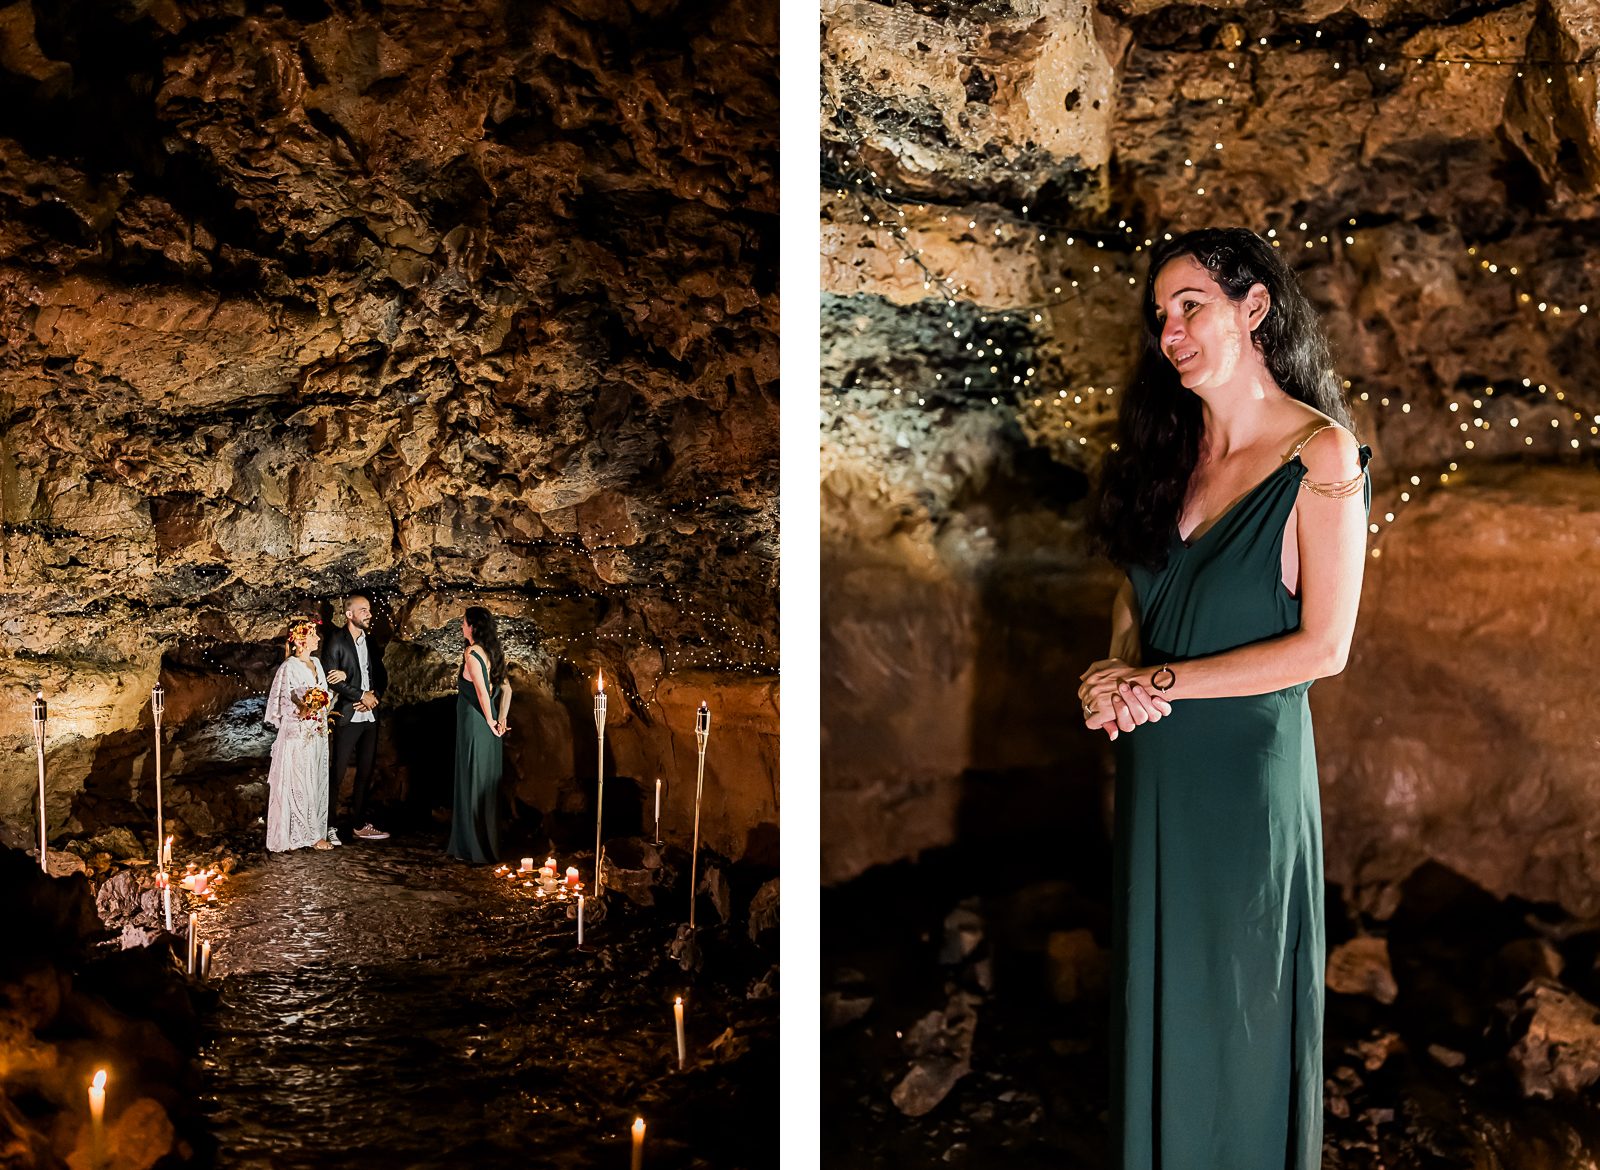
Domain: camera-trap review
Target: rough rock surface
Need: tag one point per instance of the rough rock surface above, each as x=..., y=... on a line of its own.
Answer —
x=448, y=303
x=1559, y=1052
x=979, y=319
x=1361, y=967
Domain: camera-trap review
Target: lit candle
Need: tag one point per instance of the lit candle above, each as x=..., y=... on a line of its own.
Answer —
x=205, y=958
x=658, y=809
x=166, y=898
x=194, y=926
x=677, y=1010
x=166, y=853
x=527, y=865
x=580, y=920
x=97, y=1119
x=550, y=864
x=638, y=1143
x=572, y=876
x=200, y=883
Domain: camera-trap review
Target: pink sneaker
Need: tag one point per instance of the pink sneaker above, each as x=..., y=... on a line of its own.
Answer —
x=367, y=833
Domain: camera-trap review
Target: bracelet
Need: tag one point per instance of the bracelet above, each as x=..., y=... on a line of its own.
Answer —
x=1163, y=687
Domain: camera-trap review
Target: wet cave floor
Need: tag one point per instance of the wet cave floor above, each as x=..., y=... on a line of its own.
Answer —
x=383, y=1005
x=997, y=954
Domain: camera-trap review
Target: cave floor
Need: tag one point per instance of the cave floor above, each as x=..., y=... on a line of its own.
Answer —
x=1037, y=1091
x=381, y=1004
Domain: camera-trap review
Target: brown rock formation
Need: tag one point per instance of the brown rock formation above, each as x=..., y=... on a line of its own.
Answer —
x=979, y=320
x=453, y=304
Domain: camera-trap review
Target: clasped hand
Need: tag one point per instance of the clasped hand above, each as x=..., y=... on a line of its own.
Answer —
x=1116, y=697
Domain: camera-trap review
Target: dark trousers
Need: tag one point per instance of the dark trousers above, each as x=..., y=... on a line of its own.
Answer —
x=360, y=741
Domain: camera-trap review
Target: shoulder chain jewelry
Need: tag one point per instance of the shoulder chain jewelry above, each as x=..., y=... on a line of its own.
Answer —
x=1336, y=489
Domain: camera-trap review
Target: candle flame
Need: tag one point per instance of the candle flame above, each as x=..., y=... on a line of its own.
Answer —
x=100, y=1079
x=678, y=1000
x=602, y=681
x=638, y=1127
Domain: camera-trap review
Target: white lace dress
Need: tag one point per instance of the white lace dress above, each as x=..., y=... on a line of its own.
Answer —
x=297, y=807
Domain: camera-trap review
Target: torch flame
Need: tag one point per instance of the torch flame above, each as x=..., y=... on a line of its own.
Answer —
x=602, y=681
x=100, y=1079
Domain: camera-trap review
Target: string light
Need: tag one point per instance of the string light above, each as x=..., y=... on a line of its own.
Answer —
x=1311, y=239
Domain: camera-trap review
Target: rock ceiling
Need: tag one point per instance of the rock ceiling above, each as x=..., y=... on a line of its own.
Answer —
x=429, y=298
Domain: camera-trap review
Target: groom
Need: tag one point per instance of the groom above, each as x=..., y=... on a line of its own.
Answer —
x=355, y=720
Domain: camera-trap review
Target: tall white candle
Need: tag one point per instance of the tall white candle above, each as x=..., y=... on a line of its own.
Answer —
x=638, y=1143
x=194, y=924
x=205, y=959
x=580, y=920
x=166, y=898
x=658, y=808
x=677, y=1011
x=166, y=853
x=97, y=1119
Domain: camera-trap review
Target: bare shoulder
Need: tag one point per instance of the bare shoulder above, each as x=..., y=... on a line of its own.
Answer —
x=1328, y=450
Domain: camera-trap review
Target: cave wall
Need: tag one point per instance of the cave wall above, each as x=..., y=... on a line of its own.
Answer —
x=467, y=303
x=982, y=253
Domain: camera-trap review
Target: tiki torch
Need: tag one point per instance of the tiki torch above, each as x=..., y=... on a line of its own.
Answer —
x=702, y=732
x=600, y=775
x=40, y=714
x=158, y=704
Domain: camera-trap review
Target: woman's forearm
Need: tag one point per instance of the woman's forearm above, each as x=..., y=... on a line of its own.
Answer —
x=1257, y=669
x=483, y=700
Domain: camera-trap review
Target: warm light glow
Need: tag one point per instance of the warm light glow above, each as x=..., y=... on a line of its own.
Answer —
x=602, y=687
x=638, y=1128
x=100, y=1079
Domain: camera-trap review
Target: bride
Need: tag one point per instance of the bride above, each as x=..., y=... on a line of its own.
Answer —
x=297, y=705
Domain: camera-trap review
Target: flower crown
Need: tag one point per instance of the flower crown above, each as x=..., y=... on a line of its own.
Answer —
x=300, y=627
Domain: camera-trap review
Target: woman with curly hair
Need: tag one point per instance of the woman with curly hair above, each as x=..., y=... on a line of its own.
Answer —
x=297, y=781
x=482, y=698
x=1235, y=500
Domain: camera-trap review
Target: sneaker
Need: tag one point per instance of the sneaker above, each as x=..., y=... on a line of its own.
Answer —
x=367, y=833
x=333, y=837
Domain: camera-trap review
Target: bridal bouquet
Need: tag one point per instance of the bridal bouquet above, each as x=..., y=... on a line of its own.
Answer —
x=316, y=702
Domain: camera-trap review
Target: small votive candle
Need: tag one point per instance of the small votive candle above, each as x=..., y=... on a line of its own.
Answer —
x=572, y=875
x=527, y=865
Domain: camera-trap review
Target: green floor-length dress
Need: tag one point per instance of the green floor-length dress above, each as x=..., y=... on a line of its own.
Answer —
x=478, y=766
x=1217, y=881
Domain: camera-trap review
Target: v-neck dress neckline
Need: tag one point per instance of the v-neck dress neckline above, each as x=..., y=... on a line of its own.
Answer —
x=1228, y=512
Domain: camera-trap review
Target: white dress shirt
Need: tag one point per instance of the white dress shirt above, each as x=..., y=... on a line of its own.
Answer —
x=366, y=682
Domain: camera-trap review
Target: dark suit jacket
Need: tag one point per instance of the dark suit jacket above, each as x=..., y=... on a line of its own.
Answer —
x=339, y=653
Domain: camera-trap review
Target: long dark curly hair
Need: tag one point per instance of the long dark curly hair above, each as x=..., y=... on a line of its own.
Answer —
x=487, y=638
x=1140, y=490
